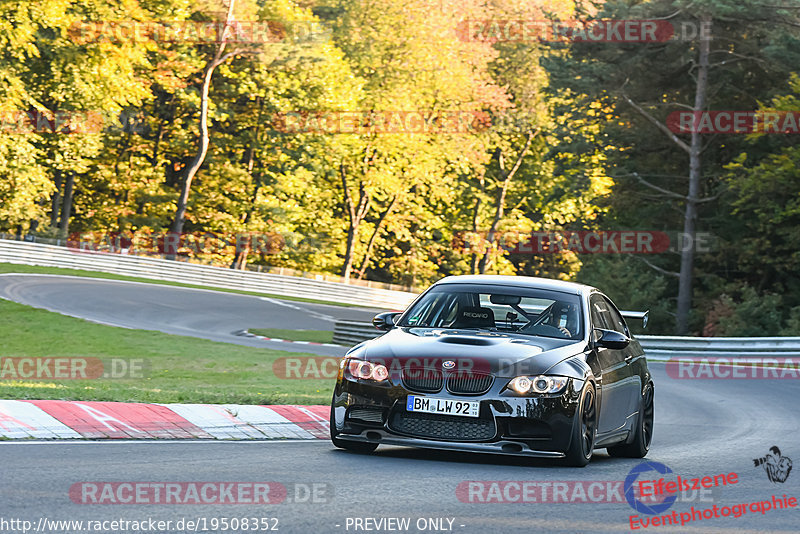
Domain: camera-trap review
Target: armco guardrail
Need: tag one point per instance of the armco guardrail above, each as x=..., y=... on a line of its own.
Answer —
x=656, y=347
x=346, y=332
x=349, y=333
x=666, y=347
x=148, y=245
x=25, y=253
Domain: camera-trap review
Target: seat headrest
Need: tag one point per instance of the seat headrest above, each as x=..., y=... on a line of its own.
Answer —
x=475, y=317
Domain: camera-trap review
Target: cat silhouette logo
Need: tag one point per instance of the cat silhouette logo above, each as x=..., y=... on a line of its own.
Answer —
x=777, y=467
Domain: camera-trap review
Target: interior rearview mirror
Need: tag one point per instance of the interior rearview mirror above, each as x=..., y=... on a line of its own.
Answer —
x=509, y=300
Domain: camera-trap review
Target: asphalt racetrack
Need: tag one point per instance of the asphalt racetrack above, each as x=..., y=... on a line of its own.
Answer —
x=702, y=428
x=207, y=314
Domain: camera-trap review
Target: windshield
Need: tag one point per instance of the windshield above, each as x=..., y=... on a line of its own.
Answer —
x=498, y=308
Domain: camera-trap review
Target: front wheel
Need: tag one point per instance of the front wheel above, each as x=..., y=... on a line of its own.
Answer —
x=643, y=435
x=355, y=446
x=584, y=428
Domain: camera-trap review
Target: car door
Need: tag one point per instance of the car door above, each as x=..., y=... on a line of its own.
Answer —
x=614, y=398
x=632, y=381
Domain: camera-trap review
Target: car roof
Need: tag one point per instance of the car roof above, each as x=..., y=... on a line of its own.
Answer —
x=520, y=281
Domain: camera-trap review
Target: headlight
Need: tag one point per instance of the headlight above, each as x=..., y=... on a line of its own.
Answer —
x=367, y=370
x=540, y=384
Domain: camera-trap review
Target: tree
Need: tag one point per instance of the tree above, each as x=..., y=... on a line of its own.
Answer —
x=729, y=50
x=402, y=75
x=219, y=57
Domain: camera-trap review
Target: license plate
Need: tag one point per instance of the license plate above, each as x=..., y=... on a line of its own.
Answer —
x=442, y=406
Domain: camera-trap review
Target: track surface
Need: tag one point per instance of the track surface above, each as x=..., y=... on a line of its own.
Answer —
x=702, y=428
x=207, y=314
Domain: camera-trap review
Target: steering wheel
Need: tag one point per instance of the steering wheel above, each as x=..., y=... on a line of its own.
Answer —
x=547, y=330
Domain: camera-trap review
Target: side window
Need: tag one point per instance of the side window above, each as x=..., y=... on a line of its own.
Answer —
x=598, y=310
x=615, y=320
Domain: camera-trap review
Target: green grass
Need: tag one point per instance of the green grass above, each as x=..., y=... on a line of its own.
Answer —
x=35, y=269
x=178, y=369
x=318, y=336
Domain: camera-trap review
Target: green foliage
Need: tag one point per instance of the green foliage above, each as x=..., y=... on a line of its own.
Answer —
x=745, y=314
x=392, y=206
x=632, y=286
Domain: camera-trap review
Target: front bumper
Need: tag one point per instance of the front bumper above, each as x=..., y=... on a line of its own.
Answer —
x=536, y=426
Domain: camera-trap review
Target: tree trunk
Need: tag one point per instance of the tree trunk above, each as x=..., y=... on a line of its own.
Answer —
x=473, y=264
x=197, y=161
x=157, y=143
x=695, y=163
x=501, y=197
x=378, y=226
x=56, y=200
x=66, y=208
x=240, y=258
x=355, y=214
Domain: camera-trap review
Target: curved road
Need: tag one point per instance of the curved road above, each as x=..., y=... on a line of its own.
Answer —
x=208, y=314
x=702, y=428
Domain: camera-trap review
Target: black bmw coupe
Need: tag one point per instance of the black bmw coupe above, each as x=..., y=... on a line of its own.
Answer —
x=499, y=364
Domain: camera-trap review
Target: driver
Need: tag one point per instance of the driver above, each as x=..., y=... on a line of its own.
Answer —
x=561, y=310
x=560, y=316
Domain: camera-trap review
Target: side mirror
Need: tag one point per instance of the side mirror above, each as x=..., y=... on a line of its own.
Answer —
x=611, y=339
x=385, y=321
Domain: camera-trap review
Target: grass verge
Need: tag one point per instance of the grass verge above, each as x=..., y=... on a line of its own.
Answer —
x=177, y=368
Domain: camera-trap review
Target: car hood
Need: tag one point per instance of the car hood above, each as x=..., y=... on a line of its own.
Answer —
x=501, y=353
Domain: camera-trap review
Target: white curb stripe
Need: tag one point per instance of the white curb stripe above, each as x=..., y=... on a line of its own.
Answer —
x=25, y=420
x=239, y=421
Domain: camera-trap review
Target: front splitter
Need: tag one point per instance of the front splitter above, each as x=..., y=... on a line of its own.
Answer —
x=509, y=448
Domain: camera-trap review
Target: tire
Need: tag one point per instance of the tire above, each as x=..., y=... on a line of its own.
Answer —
x=584, y=429
x=355, y=446
x=643, y=436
